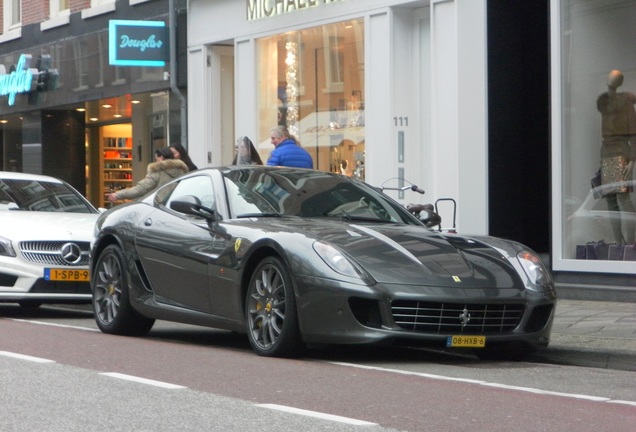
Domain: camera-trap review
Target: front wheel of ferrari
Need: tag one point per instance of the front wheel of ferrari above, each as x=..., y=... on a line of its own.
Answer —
x=271, y=317
x=111, y=302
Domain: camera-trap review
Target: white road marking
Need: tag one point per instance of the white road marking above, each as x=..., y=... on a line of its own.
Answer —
x=26, y=357
x=622, y=402
x=317, y=414
x=142, y=380
x=397, y=371
x=54, y=324
x=489, y=384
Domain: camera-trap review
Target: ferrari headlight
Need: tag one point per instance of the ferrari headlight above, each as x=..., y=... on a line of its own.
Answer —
x=335, y=259
x=5, y=247
x=534, y=268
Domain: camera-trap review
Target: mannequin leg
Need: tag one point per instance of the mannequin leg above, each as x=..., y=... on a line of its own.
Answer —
x=612, y=206
x=627, y=206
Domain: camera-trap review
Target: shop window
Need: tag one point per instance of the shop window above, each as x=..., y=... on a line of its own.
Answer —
x=312, y=82
x=334, y=63
x=81, y=63
x=102, y=46
x=59, y=7
x=12, y=14
x=59, y=14
x=595, y=228
x=98, y=7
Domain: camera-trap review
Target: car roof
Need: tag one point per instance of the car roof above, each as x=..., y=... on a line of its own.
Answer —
x=27, y=176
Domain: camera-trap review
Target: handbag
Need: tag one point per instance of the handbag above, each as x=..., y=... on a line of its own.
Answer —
x=630, y=252
x=595, y=181
x=590, y=250
x=597, y=250
x=581, y=252
x=616, y=251
x=602, y=250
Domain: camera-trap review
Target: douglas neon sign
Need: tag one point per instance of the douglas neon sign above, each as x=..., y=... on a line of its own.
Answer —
x=21, y=79
x=24, y=79
x=137, y=43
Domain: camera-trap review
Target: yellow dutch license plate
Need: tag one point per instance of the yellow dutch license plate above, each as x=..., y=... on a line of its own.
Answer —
x=466, y=341
x=64, y=275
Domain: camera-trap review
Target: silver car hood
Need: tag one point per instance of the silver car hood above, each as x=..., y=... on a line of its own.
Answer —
x=28, y=225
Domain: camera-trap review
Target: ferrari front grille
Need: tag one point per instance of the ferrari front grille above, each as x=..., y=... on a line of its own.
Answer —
x=456, y=318
x=50, y=252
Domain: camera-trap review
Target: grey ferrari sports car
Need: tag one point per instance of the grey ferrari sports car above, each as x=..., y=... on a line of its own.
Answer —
x=296, y=258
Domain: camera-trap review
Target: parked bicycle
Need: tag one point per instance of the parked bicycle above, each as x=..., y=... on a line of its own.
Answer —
x=427, y=213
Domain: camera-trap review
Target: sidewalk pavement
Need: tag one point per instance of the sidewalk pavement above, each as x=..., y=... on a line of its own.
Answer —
x=593, y=334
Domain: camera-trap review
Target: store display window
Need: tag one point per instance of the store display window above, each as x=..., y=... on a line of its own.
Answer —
x=312, y=82
x=595, y=136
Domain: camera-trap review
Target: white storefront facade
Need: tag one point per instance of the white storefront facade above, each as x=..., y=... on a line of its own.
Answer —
x=377, y=89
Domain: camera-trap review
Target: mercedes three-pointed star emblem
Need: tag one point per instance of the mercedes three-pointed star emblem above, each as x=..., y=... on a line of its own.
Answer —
x=71, y=253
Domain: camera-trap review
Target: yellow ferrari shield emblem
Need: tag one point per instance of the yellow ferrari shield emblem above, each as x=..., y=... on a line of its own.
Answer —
x=237, y=245
x=456, y=279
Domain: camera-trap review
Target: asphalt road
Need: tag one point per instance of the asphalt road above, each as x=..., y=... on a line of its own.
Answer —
x=203, y=378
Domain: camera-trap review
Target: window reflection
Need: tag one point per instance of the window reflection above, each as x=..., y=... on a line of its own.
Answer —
x=312, y=82
x=598, y=95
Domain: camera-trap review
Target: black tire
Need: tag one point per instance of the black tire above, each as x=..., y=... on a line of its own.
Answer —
x=111, y=302
x=270, y=311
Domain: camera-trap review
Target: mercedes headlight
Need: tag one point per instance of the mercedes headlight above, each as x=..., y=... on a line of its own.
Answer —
x=5, y=247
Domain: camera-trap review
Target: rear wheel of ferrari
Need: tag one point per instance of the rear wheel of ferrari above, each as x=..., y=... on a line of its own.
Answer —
x=272, y=320
x=111, y=303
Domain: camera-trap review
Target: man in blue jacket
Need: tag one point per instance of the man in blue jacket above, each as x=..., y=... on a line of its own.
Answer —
x=287, y=152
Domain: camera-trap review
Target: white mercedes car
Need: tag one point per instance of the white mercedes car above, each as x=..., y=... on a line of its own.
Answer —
x=46, y=228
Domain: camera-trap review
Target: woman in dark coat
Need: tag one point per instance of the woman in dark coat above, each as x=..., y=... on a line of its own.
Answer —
x=179, y=152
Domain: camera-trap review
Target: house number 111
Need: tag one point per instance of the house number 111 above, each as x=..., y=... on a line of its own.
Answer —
x=401, y=121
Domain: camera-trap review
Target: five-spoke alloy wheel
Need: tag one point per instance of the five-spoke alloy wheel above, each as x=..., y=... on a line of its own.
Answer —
x=111, y=303
x=272, y=322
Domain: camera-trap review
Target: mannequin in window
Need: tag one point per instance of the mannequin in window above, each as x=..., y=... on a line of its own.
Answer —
x=618, y=152
x=245, y=153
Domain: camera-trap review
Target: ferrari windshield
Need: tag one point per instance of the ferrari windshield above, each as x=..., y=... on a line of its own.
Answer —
x=305, y=193
x=34, y=195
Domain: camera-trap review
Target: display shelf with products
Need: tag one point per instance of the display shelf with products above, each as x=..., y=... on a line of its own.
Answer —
x=116, y=166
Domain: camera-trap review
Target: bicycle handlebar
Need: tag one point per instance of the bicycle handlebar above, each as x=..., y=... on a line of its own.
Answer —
x=414, y=188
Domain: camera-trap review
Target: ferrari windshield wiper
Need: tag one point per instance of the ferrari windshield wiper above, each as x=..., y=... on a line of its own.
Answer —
x=252, y=215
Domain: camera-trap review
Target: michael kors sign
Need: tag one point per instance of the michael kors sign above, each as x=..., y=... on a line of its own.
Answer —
x=258, y=9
